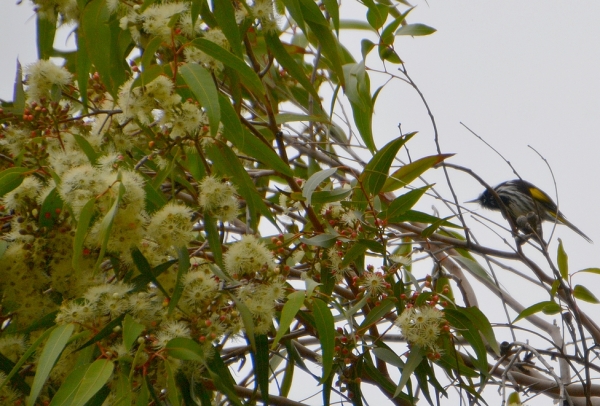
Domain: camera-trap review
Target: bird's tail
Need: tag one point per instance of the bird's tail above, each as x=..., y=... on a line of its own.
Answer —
x=567, y=223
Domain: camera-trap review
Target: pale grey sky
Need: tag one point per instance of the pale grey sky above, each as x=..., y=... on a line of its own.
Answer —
x=518, y=73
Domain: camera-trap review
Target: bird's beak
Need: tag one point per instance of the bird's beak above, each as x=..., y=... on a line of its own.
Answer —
x=473, y=201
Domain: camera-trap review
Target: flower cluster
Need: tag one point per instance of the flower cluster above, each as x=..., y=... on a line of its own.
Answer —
x=421, y=326
x=218, y=198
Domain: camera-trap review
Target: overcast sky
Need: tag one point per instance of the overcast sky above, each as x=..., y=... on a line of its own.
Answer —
x=518, y=73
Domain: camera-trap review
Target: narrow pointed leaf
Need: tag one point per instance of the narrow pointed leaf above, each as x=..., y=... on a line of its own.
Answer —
x=404, y=203
x=415, y=30
x=249, y=78
x=131, y=331
x=538, y=307
x=185, y=349
x=11, y=178
x=326, y=328
x=83, y=224
x=411, y=171
x=225, y=15
x=51, y=207
x=376, y=172
x=582, y=293
x=54, y=347
x=562, y=260
x=96, y=376
x=288, y=313
x=46, y=29
x=260, y=360
x=314, y=181
x=184, y=266
x=30, y=351
x=414, y=359
x=377, y=313
x=248, y=143
x=203, y=86
x=289, y=63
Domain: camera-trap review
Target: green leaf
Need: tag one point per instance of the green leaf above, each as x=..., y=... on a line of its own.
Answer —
x=415, y=30
x=131, y=331
x=409, y=172
x=387, y=35
x=562, y=259
x=356, y=250
x=293, y=6
x=82, y=69
x=30, y=351
x=185, y=349
x=591, y=270
x=376, y=171
x=377, y=313
x=330, y=196
x=260, y=359
x=314, y=181
x=222, y=378
x=184, y=266
x=321, y=240
x=65, y=394
x=288, y=313
x=247, y=319
x=51, y=206
x=149, y=55
x=225, y=15
x=46, y=29
x=249, y=78
x=83, y=224
x=203, y=86
x=107, y=223
x=86, y=148
x=460, y=320
x=479, y=320
x=214, y=240
x=96, y=376
x=413, y=215
x=288, y=63
x=415, y=356
x=147, y=274
x=326, y=328
x=404, y=203
x=366, y=46
x=288, y=378
x=320, y=27
x=548, y=307
x=18, y=94
x=363, y=119
x=388, y=356
x=283, y=118
x=97, y=30
x=52, y=350
x=473, y=267
x=583, y=293
x=358, y=85
x=143, y=398
x=107, y=330
x=377, y=15
x=172, y=389
x=10, y=179
x=248, y=143
x=124, y=393
x=332, y=8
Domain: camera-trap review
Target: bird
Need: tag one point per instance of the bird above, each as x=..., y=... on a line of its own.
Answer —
x=526, y=204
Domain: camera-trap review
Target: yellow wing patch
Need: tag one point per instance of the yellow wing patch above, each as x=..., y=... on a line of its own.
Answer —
x=537, y=194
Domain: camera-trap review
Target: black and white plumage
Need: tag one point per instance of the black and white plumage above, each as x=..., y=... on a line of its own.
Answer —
x=522, y=198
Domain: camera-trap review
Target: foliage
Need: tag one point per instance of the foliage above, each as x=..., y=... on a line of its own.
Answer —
x=180, y=202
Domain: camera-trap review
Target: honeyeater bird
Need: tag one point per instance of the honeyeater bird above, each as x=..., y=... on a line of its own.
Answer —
x=522, y=198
